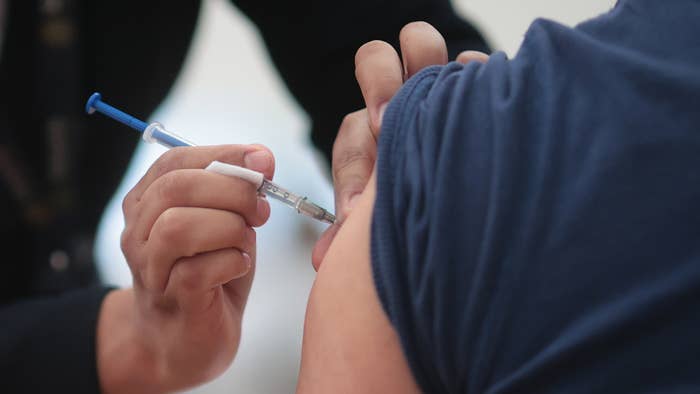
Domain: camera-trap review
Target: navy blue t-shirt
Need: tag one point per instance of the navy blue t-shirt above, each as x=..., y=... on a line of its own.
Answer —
x=537, y=221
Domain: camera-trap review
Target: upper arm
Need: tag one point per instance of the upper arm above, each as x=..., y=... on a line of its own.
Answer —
x=425, y=256
x=349, y=343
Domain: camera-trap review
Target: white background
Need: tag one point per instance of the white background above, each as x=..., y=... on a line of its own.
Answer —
x=230, y=93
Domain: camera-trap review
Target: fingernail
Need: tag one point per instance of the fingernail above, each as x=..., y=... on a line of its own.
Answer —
x=258, y=160
x=263, y=207
x=247, y=262
x=382, y=109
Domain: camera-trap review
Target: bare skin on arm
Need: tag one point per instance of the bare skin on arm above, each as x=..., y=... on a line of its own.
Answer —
x=349, y=344
x=380, y=72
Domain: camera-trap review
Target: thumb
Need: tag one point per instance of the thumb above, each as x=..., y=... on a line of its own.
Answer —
x=354, y=153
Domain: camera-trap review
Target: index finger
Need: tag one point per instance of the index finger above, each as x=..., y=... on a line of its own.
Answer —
x=354, y=154
x=199, y=157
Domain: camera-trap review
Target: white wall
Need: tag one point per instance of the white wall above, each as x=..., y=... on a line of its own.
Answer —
x=505, y=21
x=229, y=93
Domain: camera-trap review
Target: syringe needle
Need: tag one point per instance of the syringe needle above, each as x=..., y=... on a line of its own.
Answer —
x=301, y=204
x=155, y=132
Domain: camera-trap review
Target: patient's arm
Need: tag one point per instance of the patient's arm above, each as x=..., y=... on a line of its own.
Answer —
x=349, y=344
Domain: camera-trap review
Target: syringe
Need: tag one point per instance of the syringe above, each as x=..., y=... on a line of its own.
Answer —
x=155, y=132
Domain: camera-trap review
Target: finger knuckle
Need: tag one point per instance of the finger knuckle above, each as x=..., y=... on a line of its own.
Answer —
x=346, y=123
x=129, y=245
x=239, y=229
x=130, y=204
x=173, y=185
x=350, y=121
x=127, y=207
x=170, y=226
x=237, y=222
x=187, y=276
x=125, y=241
x=172, y=158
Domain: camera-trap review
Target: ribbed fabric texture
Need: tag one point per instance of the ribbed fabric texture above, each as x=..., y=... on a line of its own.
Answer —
x=536, y=226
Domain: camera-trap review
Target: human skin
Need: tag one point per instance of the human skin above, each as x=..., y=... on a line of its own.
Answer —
x=349, y=343
x=190, y=245
x=380, y=73
x=191, y=249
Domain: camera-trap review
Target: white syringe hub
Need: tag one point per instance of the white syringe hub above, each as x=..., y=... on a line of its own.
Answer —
x=254, y=177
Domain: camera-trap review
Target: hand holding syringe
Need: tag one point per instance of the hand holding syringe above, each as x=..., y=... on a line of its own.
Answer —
x=155, y=132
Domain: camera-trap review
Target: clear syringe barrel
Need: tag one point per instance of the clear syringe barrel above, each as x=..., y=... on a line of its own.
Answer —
x=301, y=204
x=155, y=132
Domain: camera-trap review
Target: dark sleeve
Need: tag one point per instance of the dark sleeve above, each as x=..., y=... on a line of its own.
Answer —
x=533, y=231
x=48, y=345
x=313, y=46
x=431, y=261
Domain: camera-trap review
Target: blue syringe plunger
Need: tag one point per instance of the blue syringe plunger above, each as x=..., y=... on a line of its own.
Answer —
x=95, y=103
x=90, y=104
x=155, y=132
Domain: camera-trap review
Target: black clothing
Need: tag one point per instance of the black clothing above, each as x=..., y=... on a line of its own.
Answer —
x=314, y=52
x=51, y=60
x=49, y=345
